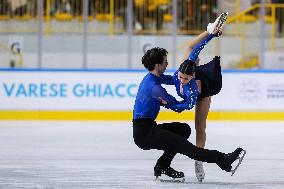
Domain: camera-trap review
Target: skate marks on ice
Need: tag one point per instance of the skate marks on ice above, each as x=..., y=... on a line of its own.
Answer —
x=102, y=155
x=164, y=178
x=194, y=184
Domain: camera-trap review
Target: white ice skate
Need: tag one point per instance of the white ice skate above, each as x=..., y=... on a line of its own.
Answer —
x=218, y=24
x=199, y=171
x=239, y=161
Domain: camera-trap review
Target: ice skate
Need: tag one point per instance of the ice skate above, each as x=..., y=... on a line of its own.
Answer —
x=218, y=24
x=168, y=174
x=230, y=158
x=199, y=171
x=240, y=159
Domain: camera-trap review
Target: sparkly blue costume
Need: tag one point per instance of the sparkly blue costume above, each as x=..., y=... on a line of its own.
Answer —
x=190, y=90
x=148, y=102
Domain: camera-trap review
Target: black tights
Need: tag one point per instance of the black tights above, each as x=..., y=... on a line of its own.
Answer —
x=172, y=139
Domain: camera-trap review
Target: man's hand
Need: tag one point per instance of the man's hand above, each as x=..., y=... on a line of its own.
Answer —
x=163, y=101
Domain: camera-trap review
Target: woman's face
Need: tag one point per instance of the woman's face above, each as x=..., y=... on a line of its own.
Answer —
x=184, y=78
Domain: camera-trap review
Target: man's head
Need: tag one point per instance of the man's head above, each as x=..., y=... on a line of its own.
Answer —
x=186, y=71
x=155, y=59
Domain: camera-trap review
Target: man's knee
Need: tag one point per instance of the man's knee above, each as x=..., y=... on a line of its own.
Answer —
x=186, y=130
x=141, y=144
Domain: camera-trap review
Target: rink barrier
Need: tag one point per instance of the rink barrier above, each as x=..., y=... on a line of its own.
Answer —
x=268, y=107
x=127, y=115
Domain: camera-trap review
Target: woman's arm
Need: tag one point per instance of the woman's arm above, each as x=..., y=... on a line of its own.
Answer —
x=199, y=47
x=194, y=42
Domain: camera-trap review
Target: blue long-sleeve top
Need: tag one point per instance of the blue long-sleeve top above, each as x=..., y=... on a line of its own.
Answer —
x=190, y=90
x=148, y=102
x=198, y=48
x=190, y=93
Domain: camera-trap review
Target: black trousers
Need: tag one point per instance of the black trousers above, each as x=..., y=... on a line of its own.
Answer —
x=172, y=139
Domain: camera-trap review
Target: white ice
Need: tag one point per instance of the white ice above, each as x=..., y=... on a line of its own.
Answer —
x=60, y=154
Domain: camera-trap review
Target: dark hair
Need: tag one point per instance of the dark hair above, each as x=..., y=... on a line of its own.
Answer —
x=153, y=56
x=187, y=67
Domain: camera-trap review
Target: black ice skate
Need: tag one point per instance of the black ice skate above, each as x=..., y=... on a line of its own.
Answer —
x=230, y=158
x=170, y=172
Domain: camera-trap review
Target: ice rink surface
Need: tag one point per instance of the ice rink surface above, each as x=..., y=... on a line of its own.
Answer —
x=84, y=154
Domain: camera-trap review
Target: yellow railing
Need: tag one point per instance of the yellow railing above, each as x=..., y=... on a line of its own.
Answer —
x=244, y=17
x=108, y=16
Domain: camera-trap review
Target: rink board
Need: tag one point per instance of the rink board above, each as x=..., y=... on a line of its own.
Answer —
x=104, y=95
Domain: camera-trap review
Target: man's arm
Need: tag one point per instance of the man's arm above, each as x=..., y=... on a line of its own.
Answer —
x=158, y=93
x=167, y=100
x=167, y=79
x=191, y=93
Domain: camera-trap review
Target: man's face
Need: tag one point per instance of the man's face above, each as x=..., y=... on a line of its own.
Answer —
x=184, y=78
x=162, y=67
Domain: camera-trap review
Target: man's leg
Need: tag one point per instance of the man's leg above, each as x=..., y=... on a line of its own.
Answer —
x=173, y=135
x=165, y=140
x=181, y=129
x=163, y=163
x=151, y=137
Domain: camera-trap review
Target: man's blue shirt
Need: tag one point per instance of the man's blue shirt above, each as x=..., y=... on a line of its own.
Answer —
x=147, y=102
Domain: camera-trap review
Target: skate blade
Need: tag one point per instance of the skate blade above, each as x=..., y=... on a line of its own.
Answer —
x=200, y=180
x=175, y=180
x=241, y=157
x=221, y=21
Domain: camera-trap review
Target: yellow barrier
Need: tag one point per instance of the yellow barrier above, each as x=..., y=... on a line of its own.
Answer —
x=127, y=115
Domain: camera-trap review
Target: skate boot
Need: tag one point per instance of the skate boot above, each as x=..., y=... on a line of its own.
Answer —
x=174, y=175
x=218, y=24
x=199, y=171
x=230, y=158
